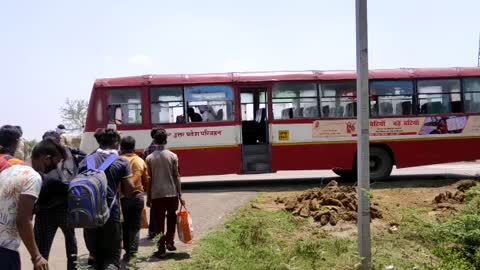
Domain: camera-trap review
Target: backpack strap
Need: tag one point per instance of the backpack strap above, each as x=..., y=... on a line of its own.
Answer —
x=108, y=162
x=91, y=163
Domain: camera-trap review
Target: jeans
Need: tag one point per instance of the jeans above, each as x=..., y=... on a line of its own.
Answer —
x=9, y=259
x=104, y=244
x=165, y=208
x=132, y=216
x=46, y=225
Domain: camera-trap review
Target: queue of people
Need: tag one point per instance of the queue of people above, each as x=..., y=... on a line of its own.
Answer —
x=45, y=190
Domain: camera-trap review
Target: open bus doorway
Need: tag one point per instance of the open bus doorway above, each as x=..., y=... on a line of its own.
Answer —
x=256, y=154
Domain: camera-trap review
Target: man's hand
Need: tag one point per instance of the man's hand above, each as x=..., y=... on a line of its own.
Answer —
x=40, y=264
x=182, y=201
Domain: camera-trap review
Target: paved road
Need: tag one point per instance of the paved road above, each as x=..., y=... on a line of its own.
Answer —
x=211, y=198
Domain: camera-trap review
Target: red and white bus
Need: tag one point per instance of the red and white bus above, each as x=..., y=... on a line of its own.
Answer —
x=257, y=122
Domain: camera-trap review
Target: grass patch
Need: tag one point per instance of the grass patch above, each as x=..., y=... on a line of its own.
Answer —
x=264, y=239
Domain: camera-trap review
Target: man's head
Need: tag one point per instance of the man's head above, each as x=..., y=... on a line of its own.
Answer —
x=47, y=154
x=9, y=137
x=127, y=145
x=153, y=132
x=161, y=136
x=51, y=134
x=107, y=138
x=60, y=129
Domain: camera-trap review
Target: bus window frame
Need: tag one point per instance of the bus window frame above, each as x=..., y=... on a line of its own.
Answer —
x=417, y=104
x=149, y=91
x=413, y=99
x=320, y=89
x=209, y=123
x=463, y=93
x=127, y=126
x=293, y=119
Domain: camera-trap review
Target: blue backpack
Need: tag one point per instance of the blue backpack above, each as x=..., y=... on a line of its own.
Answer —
x=87, y=195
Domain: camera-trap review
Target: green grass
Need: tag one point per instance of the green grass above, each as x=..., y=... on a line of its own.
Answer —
x=263, y=239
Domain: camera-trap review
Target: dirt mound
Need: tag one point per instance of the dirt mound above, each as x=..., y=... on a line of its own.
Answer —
x=326, y=205
x=457, y=197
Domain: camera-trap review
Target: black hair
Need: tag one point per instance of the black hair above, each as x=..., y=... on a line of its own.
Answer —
x=49, y=147
x=154, y=131
x=127, y=144
x=106, y=137
x=51, y=134
x=20, y=129
x=161, y=136
x=9, y=136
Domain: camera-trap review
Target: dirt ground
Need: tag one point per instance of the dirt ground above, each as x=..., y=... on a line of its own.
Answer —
x=389, y=199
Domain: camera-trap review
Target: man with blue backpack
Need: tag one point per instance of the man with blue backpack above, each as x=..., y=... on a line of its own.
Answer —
x=93, y=199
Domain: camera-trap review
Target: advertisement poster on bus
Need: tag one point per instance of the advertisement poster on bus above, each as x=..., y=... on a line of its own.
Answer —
x=467, y=125
x=378, y=127
x=443, y=125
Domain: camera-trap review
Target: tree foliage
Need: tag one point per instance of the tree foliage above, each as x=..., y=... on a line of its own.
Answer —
x=74, y=113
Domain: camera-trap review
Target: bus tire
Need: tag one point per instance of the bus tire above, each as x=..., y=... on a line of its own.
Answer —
x=381, y=163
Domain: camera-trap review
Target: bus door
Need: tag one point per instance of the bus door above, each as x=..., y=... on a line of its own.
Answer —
x=256, y=150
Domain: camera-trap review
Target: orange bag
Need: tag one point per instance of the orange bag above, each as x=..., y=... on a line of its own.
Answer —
x=144, y=219
x=184, y=226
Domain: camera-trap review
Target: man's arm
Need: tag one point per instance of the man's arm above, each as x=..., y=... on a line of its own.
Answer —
x=178, y=183
x=25, y=230
x=149, y=185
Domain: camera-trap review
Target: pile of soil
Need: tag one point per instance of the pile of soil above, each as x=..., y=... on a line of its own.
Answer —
x=326, y=205
x=458, y=196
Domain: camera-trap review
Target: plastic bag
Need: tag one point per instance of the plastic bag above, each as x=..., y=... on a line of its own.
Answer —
x=184, y=226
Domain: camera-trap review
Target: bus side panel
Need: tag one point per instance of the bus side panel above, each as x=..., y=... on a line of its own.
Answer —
x=434, y=151
x=313, y=156
x=209, y=161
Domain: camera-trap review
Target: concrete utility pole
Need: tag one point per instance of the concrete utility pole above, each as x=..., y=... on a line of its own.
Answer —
x=363, y=149
x=478, y=64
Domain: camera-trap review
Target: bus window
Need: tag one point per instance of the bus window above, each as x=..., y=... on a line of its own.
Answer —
x=210, y=103
x=295, y=100
x=471, y=94
x=439, y=96
x=166, y=105
x=391, y=98
x=339, y=99
x=125, y=106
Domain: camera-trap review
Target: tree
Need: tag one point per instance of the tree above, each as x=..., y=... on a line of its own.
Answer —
x=74, y=113
x=29, y=145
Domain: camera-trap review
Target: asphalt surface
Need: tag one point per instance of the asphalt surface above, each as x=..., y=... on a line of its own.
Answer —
x=211, y=198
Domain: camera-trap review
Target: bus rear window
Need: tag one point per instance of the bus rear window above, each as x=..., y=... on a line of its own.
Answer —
x=209, y=103
x=125, y=106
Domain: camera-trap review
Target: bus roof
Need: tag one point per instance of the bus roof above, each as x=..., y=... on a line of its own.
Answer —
x=272, y=76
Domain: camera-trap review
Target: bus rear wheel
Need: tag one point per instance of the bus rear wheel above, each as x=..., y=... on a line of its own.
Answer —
x=381, y=164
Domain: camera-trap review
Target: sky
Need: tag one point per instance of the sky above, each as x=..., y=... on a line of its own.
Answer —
x=53, y=50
